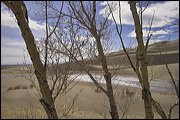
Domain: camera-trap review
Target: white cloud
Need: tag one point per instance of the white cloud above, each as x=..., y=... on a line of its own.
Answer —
x=161, y=36
x=13, y=56
x=12, y=44
x=34, y=25
x=15, y=43
x=126, y=14
x=163, y=11
x=158, y=32
x=173, y=26
x=151, y=41
x=8, y=19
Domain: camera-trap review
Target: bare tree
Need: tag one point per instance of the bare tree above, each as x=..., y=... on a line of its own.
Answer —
x=86, y=16
x=51, y=70
x=18, y=8
x=141, y=56
x=126, y=101
x=175, y=86
x=141, y=63
x=82, y=15
x=163, y=51
x=152, y=101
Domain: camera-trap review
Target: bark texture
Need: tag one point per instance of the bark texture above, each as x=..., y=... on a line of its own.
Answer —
x=46, y=101
x=141, y=68
x=146, y=95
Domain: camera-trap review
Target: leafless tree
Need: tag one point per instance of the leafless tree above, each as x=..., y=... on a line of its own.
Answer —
x=85, y=14
x=82, y=16
x=47, y=101
x=52, y=77
x=175, y=81
x=141, y=63
x=126, y=102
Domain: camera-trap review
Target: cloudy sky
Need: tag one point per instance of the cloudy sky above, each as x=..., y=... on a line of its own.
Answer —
x=165, y=12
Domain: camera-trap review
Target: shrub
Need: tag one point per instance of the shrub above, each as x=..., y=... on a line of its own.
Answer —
x=17, y=87
x=31, y=86
x=10, y=88
x=24, y=87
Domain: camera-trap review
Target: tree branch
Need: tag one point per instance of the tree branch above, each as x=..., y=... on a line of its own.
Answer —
x=170, y=109
x=120, y=32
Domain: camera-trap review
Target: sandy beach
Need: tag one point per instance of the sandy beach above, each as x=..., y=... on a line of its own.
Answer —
x=17, y=103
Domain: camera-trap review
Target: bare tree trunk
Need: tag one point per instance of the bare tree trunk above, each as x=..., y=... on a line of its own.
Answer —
x=47, y=102
x=89, y=22
x=146, y=95
x=141, y=65
x=107, y=76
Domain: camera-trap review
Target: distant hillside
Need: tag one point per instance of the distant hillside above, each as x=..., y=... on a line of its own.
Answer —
x=156, y=55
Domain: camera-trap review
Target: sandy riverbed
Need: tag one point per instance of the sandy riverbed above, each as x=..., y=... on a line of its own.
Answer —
x=16, y=103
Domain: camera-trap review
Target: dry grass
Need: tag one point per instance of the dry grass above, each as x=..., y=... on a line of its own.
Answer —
x=12, y=112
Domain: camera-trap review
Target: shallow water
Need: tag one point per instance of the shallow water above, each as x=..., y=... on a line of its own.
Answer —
x=155, y=84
